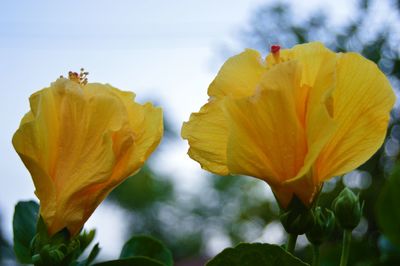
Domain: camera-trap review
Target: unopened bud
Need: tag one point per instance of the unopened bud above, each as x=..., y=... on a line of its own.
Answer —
x=324, y=224
x=347, y=209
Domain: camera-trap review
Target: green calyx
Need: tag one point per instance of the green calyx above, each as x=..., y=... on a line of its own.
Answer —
x=324, y=224
x=59, y=249
x=347, y=209
x=297, y=219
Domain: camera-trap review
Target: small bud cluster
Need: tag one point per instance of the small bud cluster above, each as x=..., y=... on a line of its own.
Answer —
x=319, y=223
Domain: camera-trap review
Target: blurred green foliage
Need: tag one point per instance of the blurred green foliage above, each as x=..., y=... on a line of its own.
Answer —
x=6, y=251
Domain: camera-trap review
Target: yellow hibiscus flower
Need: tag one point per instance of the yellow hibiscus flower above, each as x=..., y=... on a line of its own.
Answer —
x=79, y=141
x=294, y=120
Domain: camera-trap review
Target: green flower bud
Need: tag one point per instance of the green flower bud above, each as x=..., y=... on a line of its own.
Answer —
x=324, y=224
x=56, y=255
x=297, y=219
x=347, y=209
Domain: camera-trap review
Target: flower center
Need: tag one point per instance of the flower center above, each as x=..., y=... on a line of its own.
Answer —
x=80, y=78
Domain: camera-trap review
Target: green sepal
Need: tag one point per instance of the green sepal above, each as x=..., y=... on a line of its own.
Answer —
x=347, y=209
x=24, y=227
x=145, y=246
x=85, y=239
x=60, y=248
x=92, y=256
x=297, y=218
x=255, y=254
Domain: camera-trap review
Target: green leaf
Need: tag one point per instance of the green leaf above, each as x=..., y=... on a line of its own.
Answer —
x=93, y=254
x=255, y=254
x=387, y=207
x=134, y=261
x=85, y=239
x=24, y=226
x=147, y=247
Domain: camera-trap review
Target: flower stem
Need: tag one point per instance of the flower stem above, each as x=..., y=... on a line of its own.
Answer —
x=315, y=260
x=345, y=247
x=291, y=243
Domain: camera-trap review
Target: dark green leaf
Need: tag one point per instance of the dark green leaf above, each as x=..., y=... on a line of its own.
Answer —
x=147, y=247
x=387, y=208
x=134, y=261
x=24, y=227
x=93, y=254
x=255, y=254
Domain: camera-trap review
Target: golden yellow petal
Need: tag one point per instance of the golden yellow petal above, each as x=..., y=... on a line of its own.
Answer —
x=84, y=149
x=304, y=188
x=238, y=76
x=361, y=102
x=266, y=137
x=207, y=134
x=36, y=143
x=318, y=79
x=146, y=130
x=87, y=123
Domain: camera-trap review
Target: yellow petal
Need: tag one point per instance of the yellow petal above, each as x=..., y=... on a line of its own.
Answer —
x=79, y=143
x=304, y=188
x=266, y=137
x=148, y=134
x=144, y=127
x=238, y=76
x=313, y=58
x=207, y=134
x=84, y=148
x=36, y=143
x=314, y=101
x=361, y=102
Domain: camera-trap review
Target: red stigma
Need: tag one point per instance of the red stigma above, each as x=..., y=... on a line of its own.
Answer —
x=275, y=49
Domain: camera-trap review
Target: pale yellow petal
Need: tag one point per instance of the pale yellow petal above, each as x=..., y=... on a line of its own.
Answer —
x=361, y=102
x=266, y=138
x=207, y=133
x=238, y=76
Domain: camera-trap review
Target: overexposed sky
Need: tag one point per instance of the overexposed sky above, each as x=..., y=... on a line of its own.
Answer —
x=162, y=50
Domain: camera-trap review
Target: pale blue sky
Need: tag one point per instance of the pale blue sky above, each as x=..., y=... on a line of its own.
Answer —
x=163, y=50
